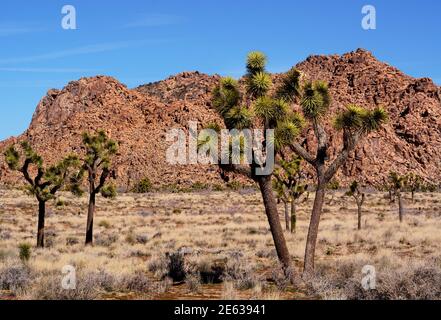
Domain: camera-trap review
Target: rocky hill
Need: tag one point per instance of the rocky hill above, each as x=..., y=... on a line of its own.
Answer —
x=139, y=119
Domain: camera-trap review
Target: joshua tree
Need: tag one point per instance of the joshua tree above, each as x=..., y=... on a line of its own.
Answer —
x=289, y=186
x=354, y=123
x=99, y=150
x=413, y=183
x=397, y=183
x=359, y=196
x=257, y=108
x=47, y=181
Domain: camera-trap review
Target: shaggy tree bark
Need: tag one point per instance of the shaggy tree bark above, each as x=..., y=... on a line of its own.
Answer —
x=274, y=221
x=359, y=211
x=293, y=216
x=400, y=206
x=40, y=228
x=286, y=215
x=324, y=176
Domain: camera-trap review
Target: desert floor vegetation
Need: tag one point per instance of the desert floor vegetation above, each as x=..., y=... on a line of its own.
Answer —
x=213, y=245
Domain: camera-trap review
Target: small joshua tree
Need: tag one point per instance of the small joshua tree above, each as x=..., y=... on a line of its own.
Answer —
x=289, y=186
x=413, y=183
x=99, y=150
x=46, y=182
x=359, y=196
x=397, y=184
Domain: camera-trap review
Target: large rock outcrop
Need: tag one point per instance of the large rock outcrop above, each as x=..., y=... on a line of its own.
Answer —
x=139, y=119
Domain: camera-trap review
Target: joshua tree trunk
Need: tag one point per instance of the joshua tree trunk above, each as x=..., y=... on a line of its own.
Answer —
x=293, y=216
x=286, y=215
x=314, y=226
x=41, y=216
x=413, y=196
x=359, y=215
x=273, y=219
x=400, y=206
x=90, y=213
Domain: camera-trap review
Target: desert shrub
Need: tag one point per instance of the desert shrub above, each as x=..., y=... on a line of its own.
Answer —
x=15, y=277
x=281, y=280
x=240, y=274
x=105, y=240
x=143, y=186
x=142, y=238
x=70, y=241
x=234, y=185
x=409, y=281
x=176, y=267
x=198, y=186
x=88, y=287
x=137, y=282
x=193, y=283
x=104, y=223
x=109, y=191
x=24, y=251
x=158, y=265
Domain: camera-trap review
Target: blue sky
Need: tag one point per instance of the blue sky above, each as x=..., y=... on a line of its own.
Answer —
x=139, y=41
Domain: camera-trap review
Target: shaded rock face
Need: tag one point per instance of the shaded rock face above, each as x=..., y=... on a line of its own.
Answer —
x=139, y=119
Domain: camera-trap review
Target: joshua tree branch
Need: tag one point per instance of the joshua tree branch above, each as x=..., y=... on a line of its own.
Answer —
x=25, y=171
x=350, y=142
x=299, y=150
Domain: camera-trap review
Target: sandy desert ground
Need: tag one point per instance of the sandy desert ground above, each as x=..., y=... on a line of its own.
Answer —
x=227, y=231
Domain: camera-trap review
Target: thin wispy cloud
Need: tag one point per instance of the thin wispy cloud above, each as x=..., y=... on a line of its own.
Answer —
x=9, y=30
x=90, y=49
x=45, y=70
x=155, y=20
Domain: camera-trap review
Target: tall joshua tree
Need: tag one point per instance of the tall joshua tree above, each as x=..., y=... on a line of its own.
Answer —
x=255, y=107
x=289, y=184
x=359, y=196
x=99, y=150
x=354, y=123
x=46, y=182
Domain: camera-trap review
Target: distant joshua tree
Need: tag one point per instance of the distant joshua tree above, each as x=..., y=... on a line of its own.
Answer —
x=99, y=150
x=47, y=181
x=289, y=184
x=397, y=184
x=359, y=196
x=413, y=183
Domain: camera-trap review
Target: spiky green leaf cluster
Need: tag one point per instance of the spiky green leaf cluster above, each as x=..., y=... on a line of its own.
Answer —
x=316, y=99
x=271, y=110
x=256, y=62
x=109, y=191
x=239, y=117
x=358, y=118
x=290, y=88
x=258, y=84
x=226, y=95
x=99, y=147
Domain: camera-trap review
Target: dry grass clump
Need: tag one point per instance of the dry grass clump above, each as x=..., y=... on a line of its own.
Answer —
x=15, y=277
x=396, y=279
